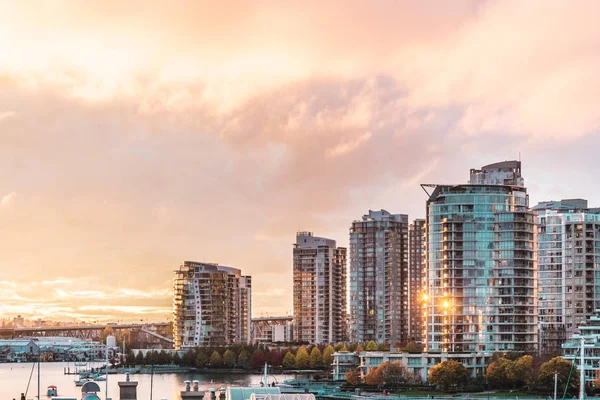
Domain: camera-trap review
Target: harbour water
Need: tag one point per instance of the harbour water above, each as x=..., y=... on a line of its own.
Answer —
x=14, y=378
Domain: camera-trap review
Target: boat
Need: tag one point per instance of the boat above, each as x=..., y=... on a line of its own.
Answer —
x=52, y=391
x=98, y=377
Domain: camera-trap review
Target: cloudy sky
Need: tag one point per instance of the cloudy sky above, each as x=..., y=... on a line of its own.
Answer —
x=135, y=136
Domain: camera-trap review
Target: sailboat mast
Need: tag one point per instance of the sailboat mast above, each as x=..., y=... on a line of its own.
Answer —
x=582, y=371
x=39, y=359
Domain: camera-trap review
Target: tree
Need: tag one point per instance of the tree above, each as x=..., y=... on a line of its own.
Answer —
x=339, y=346
x=202, y=359
x=216, y=360
x=353, y=377
x=328, y=355
x=448, y=374
x=189, y=358
x=176, y=359
x=229, y=358
x=358, y=349
x=315, y=357
x=130, y=359
x=374, y=377
x=383, y=347
x=139, y=358
x=411, y=347
x=302, y=358
x=289, y=361
x=275, y=357
x=394, y=374
x=258, y=359
x=545, y=376
x=243, y=358
x=497, y=373
x=162, y=358
x=371, y=346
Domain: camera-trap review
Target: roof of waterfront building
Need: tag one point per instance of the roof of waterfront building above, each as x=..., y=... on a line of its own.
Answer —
x=244, y=393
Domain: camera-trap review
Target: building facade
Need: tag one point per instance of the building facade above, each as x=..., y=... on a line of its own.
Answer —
x=568, y=269
x=319, y=292
x=379, y=278
x=417, y=279
x=482, y=267
x=267, y=330
x=589, y=331
x=502, y=173
x=211, y=305
x=417, y=363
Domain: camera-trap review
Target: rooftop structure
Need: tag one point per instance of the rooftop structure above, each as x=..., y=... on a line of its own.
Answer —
x=506, y=173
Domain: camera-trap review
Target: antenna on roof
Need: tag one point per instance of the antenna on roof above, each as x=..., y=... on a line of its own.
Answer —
x=519, y=156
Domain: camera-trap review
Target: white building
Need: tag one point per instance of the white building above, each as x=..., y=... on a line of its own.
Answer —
x=591, y=335
x=417, y=363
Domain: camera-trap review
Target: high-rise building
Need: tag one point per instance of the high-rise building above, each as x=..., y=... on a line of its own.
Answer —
x=319, y=290
x=482, y=264
x=211, y=305
x=568, y=261
x=417, y=279
x=379, y=285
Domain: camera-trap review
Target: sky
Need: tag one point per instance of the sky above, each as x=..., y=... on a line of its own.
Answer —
x=136, y=135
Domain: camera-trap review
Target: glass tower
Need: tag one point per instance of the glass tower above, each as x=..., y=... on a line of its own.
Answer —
x=481, y=262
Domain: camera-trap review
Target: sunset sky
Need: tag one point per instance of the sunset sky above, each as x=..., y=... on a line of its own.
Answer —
x=135, y=135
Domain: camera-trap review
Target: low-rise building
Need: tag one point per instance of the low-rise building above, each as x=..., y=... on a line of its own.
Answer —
x=591, y=337
x=417, y=363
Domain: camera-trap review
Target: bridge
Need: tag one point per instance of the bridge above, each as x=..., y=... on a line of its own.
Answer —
x=149, y=333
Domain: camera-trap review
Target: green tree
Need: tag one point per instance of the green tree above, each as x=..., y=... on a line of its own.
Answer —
x=371, y=346
x=202, y=359
x=315, y=357
x=289, y=361
x=339, y=346
x=545, y=376
x=448, y=375
x=383, y=347
x=352, y=347
x=149, y=358
x=344, y=350
x=411, y=347
x=139, y=358
x=216, y=360
x=229, y=358
x=189, y=358
x=176, y=359
x=302, y=358
x=353, y=377
x=162, y=358
x=328, y=355
x=130, y=359
x=243, y=358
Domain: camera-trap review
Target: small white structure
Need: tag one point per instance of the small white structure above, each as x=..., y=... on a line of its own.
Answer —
x=245, y=393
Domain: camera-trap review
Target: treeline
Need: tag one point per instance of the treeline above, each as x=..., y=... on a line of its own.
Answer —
x=241, y=356
x=505, y=372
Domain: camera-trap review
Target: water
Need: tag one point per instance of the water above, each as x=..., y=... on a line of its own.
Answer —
x=14, y=378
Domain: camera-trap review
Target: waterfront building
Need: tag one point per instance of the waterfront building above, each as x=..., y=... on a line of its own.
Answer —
x=379, y=284
x=208, y=303
x=417, y=363
x=482, y=266
x=568, y=258
x=590, y=331
x=266, y=330
x=417, y=279
x=319, y=291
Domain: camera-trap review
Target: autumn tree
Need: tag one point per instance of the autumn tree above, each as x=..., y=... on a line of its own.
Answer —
x=302, y=358
x=339, y=346
x=448, y=374
x=358, y=349
x=371, y=346
x=383, y=347
x=289, y=361
x=394, y=374
x=353, y=377
x=374, y=377
x=258, y=359
x=229, y=358
x=328, y=355
x=411, y=347
x=315, y=357
x=275, y=357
